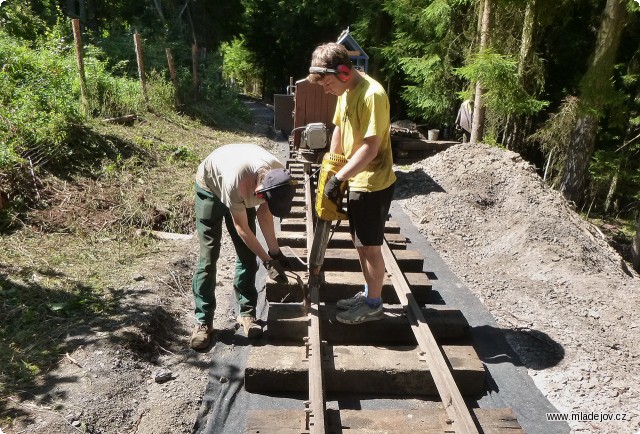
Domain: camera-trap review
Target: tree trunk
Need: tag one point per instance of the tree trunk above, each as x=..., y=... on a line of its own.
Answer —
x=92, y=21
x=593, y=88
x=527, y=45
x=635, y=250
x=479, y=25
x=583, y=140
x=546, y=168
x=477, y=126
x=613, y=187
x=515, y=125
x=158, y=5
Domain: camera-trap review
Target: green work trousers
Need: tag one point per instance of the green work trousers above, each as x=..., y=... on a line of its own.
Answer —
x=209, y=215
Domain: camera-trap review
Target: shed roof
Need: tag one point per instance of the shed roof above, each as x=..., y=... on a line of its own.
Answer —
x=347, y=40
x=356, y=53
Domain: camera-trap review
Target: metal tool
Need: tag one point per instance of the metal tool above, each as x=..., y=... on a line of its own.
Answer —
x=327, y=211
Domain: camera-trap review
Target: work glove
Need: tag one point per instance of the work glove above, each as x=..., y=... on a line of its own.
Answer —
x=275, y=270
x=281, y=258
x=333, y=190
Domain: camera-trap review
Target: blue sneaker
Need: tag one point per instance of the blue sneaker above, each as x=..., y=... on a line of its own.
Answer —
x=361, y=312
x=348, y=303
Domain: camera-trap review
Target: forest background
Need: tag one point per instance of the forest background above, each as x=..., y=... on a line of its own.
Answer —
x=557, y=81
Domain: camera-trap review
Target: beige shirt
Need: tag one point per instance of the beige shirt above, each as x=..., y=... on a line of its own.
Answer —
x=231, y=174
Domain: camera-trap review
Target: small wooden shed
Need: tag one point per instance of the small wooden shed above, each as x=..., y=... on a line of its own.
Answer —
x=358, y=57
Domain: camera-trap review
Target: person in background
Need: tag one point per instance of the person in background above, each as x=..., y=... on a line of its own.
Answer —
x=230, y=183
x=362, y=135
x=464, y=118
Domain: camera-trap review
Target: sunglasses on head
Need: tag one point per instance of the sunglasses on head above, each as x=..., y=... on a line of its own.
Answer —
x=341, y=71
x=322, y=71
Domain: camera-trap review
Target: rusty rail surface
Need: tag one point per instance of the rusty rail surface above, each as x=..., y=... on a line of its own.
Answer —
x=316, y=420
x=451, y=397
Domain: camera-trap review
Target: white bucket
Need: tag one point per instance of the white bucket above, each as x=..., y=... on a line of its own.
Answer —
x=433, y=135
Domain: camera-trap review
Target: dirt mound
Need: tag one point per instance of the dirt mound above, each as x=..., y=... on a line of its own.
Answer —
x=538, y=266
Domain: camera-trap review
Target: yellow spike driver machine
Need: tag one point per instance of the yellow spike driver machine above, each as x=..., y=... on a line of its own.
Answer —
x=327, y=211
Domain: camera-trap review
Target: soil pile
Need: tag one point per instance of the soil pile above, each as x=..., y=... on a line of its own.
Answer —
x=538, y=267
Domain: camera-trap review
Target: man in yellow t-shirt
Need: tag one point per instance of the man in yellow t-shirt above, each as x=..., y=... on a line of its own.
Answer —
x=361, y=134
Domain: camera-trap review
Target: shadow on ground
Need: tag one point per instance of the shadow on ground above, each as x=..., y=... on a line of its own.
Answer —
x=413, y=183
x=529, y=348
x=41, y=325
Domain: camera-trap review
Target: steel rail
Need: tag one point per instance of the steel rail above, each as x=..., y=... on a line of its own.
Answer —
x=454, y=404
x=315, y=417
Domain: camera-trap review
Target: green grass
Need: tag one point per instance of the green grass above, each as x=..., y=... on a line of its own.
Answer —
x=84, y=193
x=63, y=261
x=53, y=283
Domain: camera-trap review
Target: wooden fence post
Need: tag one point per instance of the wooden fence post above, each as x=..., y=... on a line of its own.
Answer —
x=172, y=74
x=635, y=246
x=194, y=59
x=172, y=69
x=77, y=36
x=138, y=45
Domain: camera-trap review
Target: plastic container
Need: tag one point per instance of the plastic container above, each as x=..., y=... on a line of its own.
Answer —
x=433, y=135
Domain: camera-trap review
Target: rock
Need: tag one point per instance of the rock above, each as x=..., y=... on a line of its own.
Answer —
x=171, y=236
x=137, y=277
x=162, y=376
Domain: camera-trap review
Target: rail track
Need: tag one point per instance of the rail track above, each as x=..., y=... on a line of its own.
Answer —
x=409, y=372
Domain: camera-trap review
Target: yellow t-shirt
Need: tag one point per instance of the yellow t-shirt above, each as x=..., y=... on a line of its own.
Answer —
x=360, y=113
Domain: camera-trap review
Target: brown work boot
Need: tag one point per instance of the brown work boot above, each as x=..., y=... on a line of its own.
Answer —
x=251, y=328
x=201, y=336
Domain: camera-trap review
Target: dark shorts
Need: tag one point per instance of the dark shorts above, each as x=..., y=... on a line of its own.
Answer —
x=368, y=212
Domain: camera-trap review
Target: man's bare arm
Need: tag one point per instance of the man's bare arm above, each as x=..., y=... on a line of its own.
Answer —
x=265, y=219
x=241, y=223
x=363, y=156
